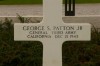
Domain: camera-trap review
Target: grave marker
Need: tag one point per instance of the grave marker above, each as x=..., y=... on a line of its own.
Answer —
x=52, y=32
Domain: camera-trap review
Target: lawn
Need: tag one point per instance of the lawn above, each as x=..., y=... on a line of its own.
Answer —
x=87, y=1
x=14, y=2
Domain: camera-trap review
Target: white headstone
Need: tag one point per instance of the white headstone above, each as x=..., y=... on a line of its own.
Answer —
x=52, y=32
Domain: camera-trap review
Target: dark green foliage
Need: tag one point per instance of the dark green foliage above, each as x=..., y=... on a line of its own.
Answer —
x=78, y=53
x=13, y=53
x=25, y=20
x=96, y=35
x=22, y=19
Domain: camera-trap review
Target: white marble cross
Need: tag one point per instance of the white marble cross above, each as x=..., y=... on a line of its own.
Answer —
x=52, y=32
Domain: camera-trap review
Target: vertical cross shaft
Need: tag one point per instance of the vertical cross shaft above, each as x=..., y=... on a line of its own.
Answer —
x=52, y=53
x=52, y=13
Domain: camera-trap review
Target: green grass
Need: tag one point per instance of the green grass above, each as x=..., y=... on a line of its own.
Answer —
x=14, y=2
x=87, y=1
